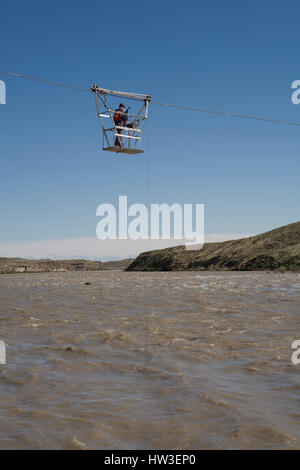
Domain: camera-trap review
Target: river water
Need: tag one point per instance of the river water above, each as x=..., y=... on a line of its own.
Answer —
x=115, y=360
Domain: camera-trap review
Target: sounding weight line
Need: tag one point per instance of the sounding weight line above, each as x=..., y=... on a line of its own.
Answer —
x=176, y=106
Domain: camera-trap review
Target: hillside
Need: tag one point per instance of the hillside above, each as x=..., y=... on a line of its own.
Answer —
x=277, y=249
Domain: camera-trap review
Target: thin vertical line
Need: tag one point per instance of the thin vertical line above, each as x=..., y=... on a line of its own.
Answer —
x=147, y=241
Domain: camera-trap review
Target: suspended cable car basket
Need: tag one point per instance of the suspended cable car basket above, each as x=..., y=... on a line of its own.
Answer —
x=121, y=137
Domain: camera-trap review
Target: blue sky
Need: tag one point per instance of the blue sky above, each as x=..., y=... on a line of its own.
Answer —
x=229, y=56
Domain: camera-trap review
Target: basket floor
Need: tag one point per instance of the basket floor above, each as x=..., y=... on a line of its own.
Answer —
x=123, y=150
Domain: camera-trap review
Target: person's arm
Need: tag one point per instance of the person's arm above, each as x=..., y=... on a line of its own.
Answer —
x=125, y=118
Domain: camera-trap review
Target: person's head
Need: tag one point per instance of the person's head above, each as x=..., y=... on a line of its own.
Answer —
x=122, y=106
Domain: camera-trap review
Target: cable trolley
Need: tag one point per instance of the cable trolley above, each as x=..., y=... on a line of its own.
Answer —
x=123, y=133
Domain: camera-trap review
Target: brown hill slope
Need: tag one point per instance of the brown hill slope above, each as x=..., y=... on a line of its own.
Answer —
x=278, y=249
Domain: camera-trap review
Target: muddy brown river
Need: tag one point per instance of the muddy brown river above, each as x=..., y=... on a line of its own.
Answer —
x=115, y=360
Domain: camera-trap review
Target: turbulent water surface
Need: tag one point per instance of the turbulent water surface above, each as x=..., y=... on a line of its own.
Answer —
x=149, y=360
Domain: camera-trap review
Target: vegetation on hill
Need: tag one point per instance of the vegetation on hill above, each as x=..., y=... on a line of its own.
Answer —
x=278, y=249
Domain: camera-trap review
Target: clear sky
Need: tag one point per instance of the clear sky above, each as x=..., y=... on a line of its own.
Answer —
x=224, y=55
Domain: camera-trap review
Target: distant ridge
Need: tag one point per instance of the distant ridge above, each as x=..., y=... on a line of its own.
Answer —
x=21, y=265
x=278, y=249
